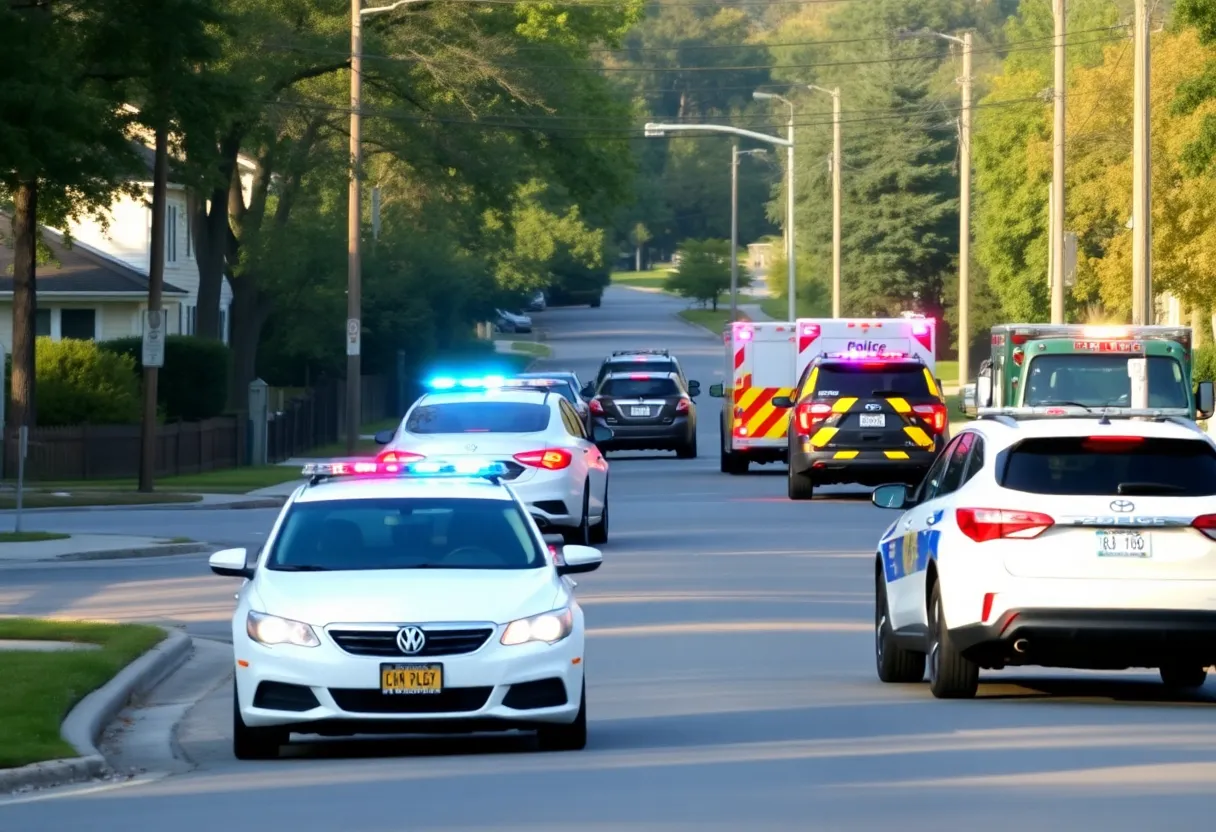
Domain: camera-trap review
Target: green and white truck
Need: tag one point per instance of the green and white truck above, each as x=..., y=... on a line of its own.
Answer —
x=1082, y=366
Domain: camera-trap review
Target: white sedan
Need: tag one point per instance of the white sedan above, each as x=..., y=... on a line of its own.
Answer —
x=553, y=461
x=404, y=599
x=1055, y=542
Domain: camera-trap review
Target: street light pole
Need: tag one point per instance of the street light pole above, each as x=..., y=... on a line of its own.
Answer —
x=734, y=226
x=789, y=200
x=836, y=195
x=1142, y=215
x=1057, y=181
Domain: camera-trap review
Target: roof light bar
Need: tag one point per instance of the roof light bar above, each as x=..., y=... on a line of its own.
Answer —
x=471, y=383
x=430, y=469
x=859, y=355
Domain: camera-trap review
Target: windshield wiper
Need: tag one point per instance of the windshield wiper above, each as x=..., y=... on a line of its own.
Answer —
x=1058, y=403
x=306, y=567
x=1149, y=488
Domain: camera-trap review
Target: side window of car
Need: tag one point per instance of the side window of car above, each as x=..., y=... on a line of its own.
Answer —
x=976, y=461
x=574, y=426
x=956, y=465
x=930, y=485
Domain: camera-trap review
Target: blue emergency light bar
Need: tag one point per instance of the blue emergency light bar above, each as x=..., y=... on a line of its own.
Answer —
x=429, y=469
x=471, y=383
x=866, y=355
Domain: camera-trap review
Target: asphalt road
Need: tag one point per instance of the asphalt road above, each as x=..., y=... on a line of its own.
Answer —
x=731, y=684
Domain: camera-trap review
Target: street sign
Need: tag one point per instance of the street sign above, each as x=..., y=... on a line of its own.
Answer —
x=352, y=336
x=154, y=338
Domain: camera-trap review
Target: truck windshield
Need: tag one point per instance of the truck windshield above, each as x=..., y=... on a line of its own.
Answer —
x=1102, y=381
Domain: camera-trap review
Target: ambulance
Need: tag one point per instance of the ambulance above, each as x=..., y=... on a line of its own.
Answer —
x=761, y=366
x=840, y=336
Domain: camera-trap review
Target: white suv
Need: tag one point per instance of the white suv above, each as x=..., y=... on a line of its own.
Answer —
x=1057, y=542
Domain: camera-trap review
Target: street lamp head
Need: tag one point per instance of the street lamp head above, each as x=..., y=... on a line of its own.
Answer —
x=652, y=131
x=762, y=96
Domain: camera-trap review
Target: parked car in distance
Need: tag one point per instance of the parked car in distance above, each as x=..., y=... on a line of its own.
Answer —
x=512, y=322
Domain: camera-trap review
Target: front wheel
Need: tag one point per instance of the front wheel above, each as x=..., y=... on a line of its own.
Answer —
x=254, y=743
x=572, y=737
x=951, y=674
x=895, y=664
x=1183, y=676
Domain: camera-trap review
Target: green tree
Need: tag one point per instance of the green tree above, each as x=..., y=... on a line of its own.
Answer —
x=704, y=271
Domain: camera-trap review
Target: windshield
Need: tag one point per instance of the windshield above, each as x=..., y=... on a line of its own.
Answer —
x=479, y=417
x=639, y=388
x=1102, y=381
x=1078, y=466
x=625, y=365
x=422, y=533
x=871, y=379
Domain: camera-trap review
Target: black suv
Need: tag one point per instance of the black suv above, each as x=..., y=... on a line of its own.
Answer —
x=636, y=361
x=867, y=421
x=647, y=411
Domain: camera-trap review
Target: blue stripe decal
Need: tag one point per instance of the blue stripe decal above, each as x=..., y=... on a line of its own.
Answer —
x=909, y=553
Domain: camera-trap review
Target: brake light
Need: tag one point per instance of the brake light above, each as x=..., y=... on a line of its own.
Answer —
x=1020, y=338
x=1112, y=444
x=596, y=407
x=1205, y=523
x=639, y=377
x=398, y=456
x=934, y=415
x=984, y=524
x=809, y=414
x=682, y=405
x=743, y=333
x=1018, y=355
x=553, y=459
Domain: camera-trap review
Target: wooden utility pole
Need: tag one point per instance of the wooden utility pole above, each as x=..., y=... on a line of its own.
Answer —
x=1057, y=182
x=354, y=281
x=1142, y=176
x=964, y=220
x=156, y=282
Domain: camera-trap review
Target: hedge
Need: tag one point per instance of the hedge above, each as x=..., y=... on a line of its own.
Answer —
x=78, y=382
x=193, y=384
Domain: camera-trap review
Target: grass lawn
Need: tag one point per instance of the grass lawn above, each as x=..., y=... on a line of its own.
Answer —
x=122, y=492
x=40, y=688
x=711, y=319
x=653, y=279
x=956, y=415
x=31, y=537
x=85, y=493
x=532, y=348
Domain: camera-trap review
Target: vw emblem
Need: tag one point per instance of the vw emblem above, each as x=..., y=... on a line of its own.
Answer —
x=470, y=447
x=411, y=640
x=872, y=406
x=1122, y=506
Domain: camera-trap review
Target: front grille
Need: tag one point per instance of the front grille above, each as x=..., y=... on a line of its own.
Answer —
x=384, y=642
x=544, y=693
x=372, y=701
x=279, y=696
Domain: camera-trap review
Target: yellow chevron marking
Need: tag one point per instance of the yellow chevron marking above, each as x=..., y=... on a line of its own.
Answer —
x=844, y=405
x=822, y=437
x=900, y=405
x=845, y=455
x=932, y=384
x=896, y=454
x=918, y=436
x=809, y=387
x=780, y=428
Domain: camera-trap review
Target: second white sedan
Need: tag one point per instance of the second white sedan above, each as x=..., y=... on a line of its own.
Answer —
x=554, y=464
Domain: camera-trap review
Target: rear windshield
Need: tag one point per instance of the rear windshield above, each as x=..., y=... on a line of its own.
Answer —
x=479, y=417
x=1102, y=381
x=432, y=533
x=563, y=387
x=1152, y=467
x=624, y=365
x=863, y=380
x=639, y=388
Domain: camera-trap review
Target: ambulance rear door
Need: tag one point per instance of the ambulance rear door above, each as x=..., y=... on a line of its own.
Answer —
x=764, y=368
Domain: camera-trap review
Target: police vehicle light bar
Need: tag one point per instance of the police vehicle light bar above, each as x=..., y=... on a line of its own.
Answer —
x=852, y=355
x=430, y=469
x=743, y=332
x=474, y=383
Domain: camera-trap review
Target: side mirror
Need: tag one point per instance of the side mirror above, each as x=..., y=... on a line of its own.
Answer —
x=231, y=563
x=715, y=390
x=1205, y=400
x=602, y=433
x=694, y=388
x=983, y=391
x=782, y=402
x=385, y=436
x=890, y=496
x=588, y=391
x=577, y=559
x=966, y=401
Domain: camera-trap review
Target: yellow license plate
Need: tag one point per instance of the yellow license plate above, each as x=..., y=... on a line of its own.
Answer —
x=404, y=679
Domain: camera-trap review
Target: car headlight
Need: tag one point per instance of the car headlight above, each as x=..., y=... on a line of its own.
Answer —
x=271, y=630
x=549, y=627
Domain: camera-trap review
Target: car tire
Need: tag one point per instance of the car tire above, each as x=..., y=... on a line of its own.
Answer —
x=731, y=463
x=599, y=532
x=254, y=743
x=800, y=486
x=572, y=737
x=688, y=451
x=951, y=674
x=1183, y=676
x=580, y=535
x=895, y=664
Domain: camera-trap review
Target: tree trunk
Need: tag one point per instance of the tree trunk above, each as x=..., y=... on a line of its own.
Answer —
x=156, y=282
x=248, y=316
x=214, y=241
x=25, y=303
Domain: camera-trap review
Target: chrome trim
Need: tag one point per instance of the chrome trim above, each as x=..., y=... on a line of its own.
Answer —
x=424, y=625
x=1124, y=521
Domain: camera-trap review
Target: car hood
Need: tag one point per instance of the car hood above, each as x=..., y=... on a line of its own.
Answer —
x=407, y=595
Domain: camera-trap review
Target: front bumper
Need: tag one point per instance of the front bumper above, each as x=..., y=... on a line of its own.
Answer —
x=324, y=690
x=680, y=431
x=864, y=467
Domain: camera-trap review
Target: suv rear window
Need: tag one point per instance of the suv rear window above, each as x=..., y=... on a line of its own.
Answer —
x=649, y=365
x=871, y=379
x=1078, y=466
x=479, y=417
x=639, y=388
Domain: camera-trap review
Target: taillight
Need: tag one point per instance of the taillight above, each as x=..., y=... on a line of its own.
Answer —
x=934, y=415
x=596, y=407
x=682, y=406
x=553, y=459
x=399, y=456
x=1206, y=523
x=983, y=524
x=1112, y=444
x=1018, y=356
x=809, y=414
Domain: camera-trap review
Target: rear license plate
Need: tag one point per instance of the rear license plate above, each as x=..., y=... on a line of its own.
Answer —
x=411, y=679
x=1123, y=544
x=879, y=421
x=639, y=411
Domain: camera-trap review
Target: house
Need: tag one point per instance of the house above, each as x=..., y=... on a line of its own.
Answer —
x=82, y=294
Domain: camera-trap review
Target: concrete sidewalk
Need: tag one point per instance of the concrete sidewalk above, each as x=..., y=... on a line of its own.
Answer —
x=80, y=547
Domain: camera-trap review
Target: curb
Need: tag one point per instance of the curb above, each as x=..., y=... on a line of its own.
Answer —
x=84, y=724
x=142, y=552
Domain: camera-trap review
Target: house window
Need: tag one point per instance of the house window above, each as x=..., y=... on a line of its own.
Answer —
x=80, y=324
x=42, y=323
x=171, y=234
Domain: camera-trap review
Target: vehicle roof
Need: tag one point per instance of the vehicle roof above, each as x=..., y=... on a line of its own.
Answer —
x=554, y=374
x=647, y=373
x=1073, y=426
x=388, y=487
x=908, y=359
x=637, y=356
x=525, y=395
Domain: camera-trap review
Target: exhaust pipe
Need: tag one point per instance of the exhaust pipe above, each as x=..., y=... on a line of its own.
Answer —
x=1020, y=645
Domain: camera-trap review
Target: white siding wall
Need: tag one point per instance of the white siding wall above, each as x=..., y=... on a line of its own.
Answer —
x=112, y=319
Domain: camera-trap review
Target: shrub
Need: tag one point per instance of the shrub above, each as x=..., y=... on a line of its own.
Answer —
x=193, y=384
x=1203, y=367
x=79, y=383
